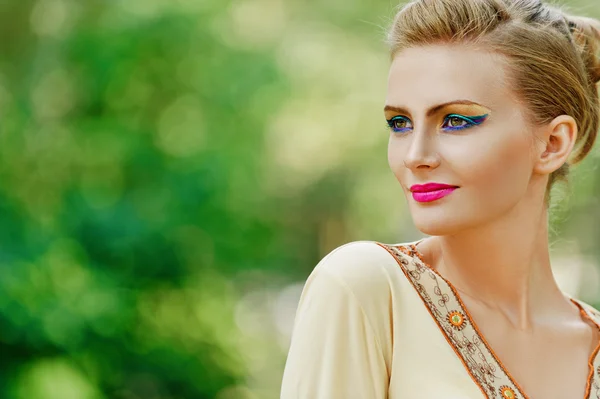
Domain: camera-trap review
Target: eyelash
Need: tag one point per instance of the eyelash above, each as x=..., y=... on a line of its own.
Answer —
x=471, y=121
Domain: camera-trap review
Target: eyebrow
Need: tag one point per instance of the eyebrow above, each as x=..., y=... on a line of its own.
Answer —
x=431, y=110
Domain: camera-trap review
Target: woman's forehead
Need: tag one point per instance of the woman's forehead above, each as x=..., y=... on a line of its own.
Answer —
x=426, y=75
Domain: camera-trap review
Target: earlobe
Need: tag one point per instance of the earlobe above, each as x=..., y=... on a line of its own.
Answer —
x=559, y=139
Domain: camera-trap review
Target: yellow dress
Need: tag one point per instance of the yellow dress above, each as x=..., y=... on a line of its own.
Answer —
x=374, y=321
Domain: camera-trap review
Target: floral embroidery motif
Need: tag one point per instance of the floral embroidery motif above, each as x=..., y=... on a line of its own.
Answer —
x=447, y=309
x=457, y=319
x=507, y=393
x=593, y=386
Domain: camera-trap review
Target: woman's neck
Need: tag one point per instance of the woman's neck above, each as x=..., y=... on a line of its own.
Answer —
x=504, y=265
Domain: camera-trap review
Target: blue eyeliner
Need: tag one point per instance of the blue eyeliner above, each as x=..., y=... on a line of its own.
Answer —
x=470, y=121
x=392, y=123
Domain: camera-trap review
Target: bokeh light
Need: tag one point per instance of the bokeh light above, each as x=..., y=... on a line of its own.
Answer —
x=172, y=171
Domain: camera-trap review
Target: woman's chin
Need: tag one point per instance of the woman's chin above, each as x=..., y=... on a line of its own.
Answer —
x=435, y=229
x=438, y=222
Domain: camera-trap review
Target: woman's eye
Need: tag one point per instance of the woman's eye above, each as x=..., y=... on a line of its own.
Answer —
x=399, y=124
x=458, y=122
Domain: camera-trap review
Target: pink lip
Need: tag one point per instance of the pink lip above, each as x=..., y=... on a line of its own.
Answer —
x=431, y=191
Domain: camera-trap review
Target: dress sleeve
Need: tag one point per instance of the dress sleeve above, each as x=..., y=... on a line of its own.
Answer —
x=335, y=352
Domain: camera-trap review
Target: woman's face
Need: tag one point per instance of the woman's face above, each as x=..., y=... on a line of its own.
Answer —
x=455, y=120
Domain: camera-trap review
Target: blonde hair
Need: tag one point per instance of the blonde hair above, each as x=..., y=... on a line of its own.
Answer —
x=553, y=57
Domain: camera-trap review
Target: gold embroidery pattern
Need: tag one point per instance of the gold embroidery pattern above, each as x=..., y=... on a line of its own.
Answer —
x=593, y=385
x=447, y=309
x=507, y=393
x=457, y=319
x=444, y=305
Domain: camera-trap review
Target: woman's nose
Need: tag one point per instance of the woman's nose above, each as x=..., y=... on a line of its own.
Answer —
x=422, y=153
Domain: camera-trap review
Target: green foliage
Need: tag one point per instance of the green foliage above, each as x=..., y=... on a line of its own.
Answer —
x=162, y=160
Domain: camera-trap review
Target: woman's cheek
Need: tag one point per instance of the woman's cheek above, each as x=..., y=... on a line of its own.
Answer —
x=396, y=155
x=498, y=168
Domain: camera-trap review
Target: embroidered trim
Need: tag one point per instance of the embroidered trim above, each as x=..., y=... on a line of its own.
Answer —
x=441, y=301
x=592, y=389
x=507, y=393
x=449, y=312
x=457, y=319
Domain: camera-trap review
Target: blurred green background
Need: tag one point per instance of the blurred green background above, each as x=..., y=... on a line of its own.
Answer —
x=171, y=172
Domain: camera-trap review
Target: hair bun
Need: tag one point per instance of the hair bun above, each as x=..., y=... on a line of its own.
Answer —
x=586, y=34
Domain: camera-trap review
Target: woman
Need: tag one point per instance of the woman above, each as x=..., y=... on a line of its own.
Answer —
x=488, y=103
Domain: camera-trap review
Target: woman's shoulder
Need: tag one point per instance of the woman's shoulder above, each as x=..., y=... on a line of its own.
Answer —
x=345, y=315
x=364, y=265
x=592, y=311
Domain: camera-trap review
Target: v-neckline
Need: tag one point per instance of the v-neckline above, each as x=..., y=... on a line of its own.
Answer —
x=459, y=320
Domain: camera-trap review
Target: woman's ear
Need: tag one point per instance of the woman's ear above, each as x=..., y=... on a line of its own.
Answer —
x=556, y=141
